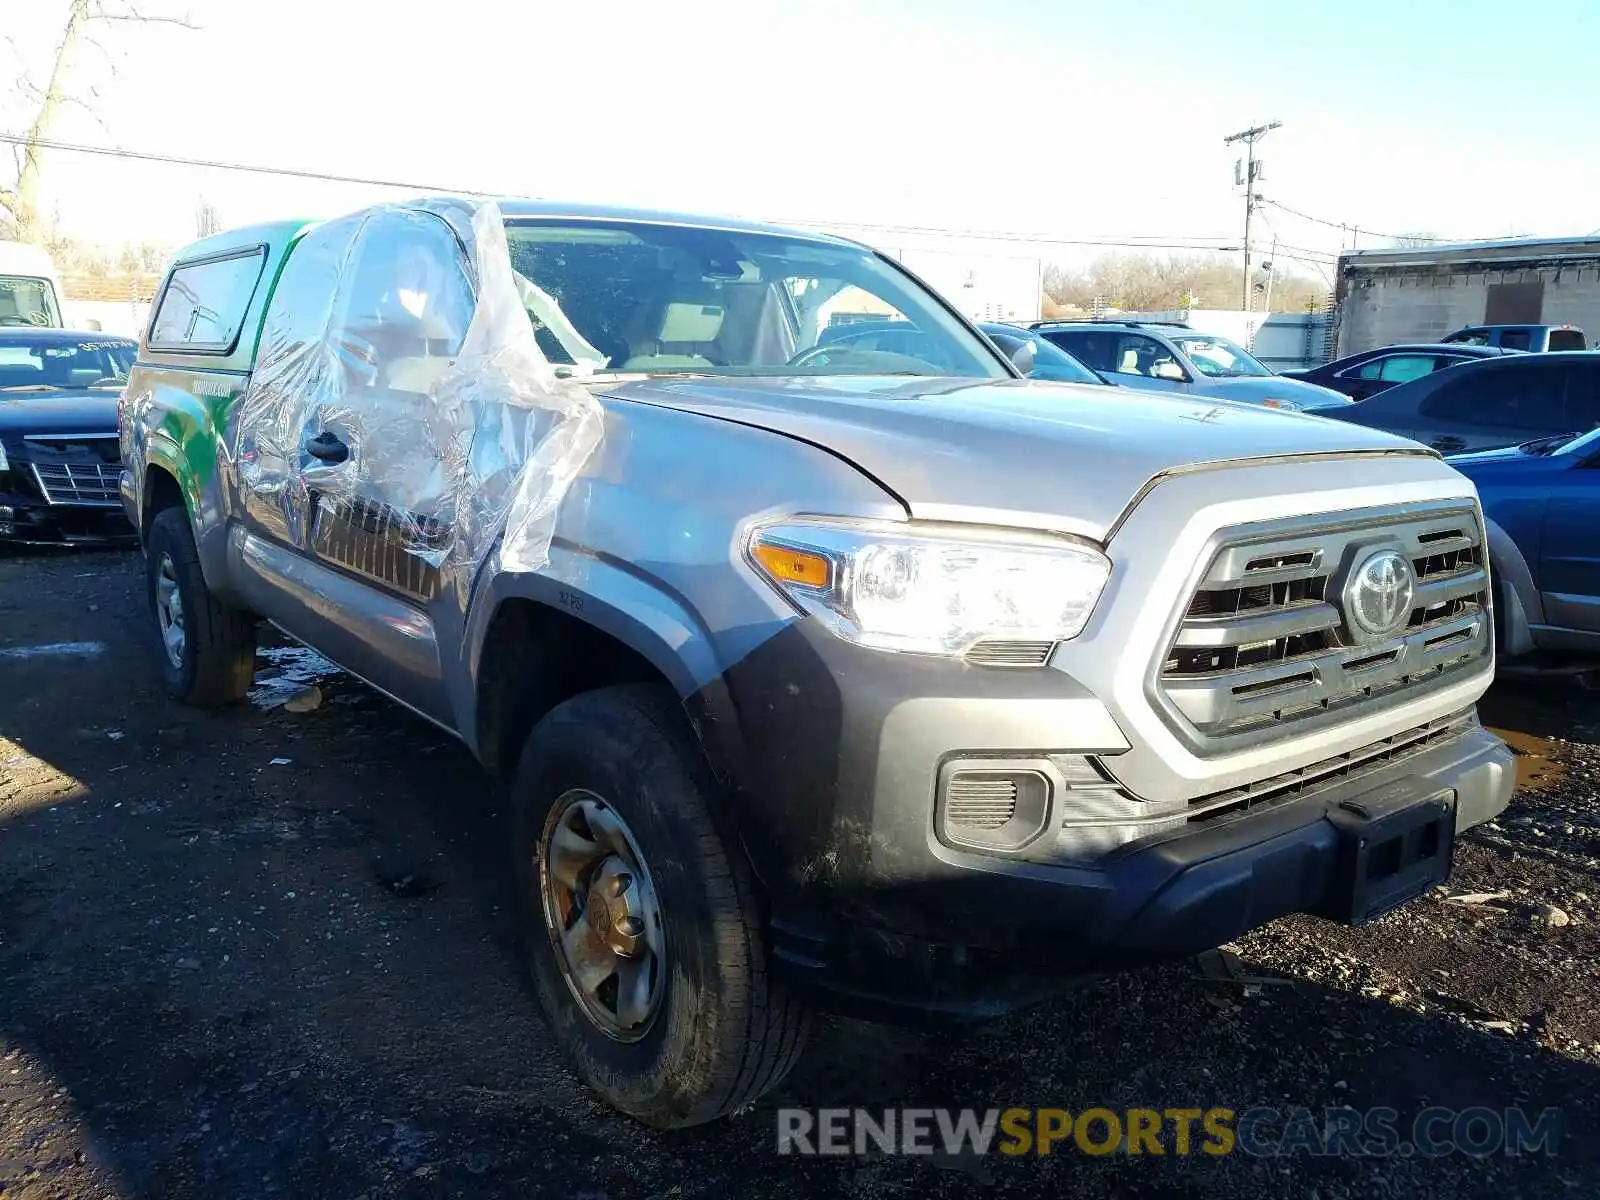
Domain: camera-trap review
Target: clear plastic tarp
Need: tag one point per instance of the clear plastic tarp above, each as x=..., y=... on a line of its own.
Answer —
x=401, y=417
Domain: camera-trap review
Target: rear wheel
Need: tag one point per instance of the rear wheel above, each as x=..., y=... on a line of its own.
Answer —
x=206, y=649
x=645, y=934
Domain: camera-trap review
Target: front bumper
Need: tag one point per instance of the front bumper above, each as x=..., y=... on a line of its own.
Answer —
x=874, y=911
x=29, y=520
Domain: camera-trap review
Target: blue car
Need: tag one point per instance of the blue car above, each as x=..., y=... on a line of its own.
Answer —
x=1036, y=357
x=1161, y=356
x=1541, y=502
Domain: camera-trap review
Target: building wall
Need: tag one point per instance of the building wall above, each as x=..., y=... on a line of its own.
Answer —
x=1381, y=309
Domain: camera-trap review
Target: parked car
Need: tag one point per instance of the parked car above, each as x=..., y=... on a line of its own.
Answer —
x=1029, y=353
x=1174, y=358
x=1541, y=505
x=1536, y=338
x=58, y=435
x=1038, y=357
x=1362, y=376
x=876, y=679
x=1489, y=403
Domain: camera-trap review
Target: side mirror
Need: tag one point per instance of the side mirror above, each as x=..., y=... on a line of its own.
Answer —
x=1022, y=357
x=1170, y=370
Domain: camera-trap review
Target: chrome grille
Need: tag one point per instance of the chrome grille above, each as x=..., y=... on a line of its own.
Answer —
x=77, y=483
x=1263, y=643
x=1010, y=654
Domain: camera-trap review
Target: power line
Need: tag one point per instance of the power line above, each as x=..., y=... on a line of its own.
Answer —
x=1347, y=227
x=1139, y=242
x=16, y=139
x=1132, y=242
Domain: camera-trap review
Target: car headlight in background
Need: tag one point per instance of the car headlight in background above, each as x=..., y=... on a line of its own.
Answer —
x=932, y=590
x=5, y=463
x=1285, y=405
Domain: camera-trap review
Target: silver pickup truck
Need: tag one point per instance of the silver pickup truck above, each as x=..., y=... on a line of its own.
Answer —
x=821, y=676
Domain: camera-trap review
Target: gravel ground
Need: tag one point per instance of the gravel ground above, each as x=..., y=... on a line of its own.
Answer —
x=261, y=953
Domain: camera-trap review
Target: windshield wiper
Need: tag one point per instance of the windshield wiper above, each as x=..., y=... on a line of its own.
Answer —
x=33, y=387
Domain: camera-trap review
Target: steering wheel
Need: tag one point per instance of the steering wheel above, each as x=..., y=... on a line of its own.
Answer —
x=818, y=355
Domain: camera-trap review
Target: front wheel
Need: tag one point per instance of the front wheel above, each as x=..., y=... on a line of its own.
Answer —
x=644, y=931
x=206, y=649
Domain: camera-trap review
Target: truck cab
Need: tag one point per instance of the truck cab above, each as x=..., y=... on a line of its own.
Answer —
x=30, y=289
x=1535, y=339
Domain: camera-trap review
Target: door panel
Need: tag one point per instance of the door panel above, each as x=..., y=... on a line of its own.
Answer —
x=350, y=466
x=1569, y=563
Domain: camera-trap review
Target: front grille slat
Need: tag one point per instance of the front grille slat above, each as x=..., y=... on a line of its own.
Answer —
x=77, y=483
x=1264, y=641
x=979, y=802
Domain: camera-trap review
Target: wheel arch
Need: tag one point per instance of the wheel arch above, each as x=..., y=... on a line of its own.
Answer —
x=1516, y=595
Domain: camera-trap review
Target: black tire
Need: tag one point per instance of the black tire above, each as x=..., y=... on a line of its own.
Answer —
x=726, y=1031
x=216, y=663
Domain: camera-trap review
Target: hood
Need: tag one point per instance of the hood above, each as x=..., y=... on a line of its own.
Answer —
x=1056, y=456
x=1256, y=388
x=88, y=411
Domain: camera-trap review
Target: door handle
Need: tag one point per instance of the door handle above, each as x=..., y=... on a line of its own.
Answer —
x=326, y=447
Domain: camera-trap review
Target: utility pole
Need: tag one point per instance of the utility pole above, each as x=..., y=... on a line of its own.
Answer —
x=1247, y=173
x=1272, y=273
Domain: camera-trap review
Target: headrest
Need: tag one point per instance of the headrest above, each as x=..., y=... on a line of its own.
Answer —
x=691, y=323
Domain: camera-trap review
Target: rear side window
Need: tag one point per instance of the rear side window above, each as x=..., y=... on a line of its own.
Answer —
x=1398, y=368
x=1516, y=339
x=1583, y=397
x=1567, y=339
x=1097, y=350
x=1529, y=395
x=202, y=307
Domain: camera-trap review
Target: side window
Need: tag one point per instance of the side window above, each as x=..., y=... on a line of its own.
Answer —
x=405, y=303
x=1371, y=369
x=1583, y=397
x=1516, y=339
x=203, y=305
x=1097, y=350
x=1469, y=337
x=1140, y=355
x=1402, y=368
x=1567, y=339
x=1528, y=396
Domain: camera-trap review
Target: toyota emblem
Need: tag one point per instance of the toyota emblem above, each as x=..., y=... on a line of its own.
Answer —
x=1379, y=595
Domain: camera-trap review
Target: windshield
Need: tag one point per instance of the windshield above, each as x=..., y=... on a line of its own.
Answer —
x=1050, y=362
x=26, y=300
x=1219, y=358
x=59, y=364
x=616, y=297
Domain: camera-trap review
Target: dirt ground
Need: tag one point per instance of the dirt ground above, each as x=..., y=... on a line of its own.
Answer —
x=259, y=954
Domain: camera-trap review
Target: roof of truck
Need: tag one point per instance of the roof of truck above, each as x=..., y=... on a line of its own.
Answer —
x=555, y=210
x=265, y=233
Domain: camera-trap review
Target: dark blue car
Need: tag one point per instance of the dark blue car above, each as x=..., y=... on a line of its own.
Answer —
x=59, y=457
x=1541, y=501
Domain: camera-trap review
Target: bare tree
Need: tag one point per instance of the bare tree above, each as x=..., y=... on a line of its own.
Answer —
x=206, y=221
x=21, y=203
x=1145, y=282
x=1416, y=241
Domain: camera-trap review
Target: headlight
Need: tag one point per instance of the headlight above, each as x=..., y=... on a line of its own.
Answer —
x=937, y=590
x=1286, y=405
x=5, y=463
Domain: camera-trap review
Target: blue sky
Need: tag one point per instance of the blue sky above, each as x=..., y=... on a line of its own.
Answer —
x=1078, y=120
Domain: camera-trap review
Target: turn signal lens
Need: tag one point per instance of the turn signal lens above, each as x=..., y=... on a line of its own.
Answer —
x=789, y=565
